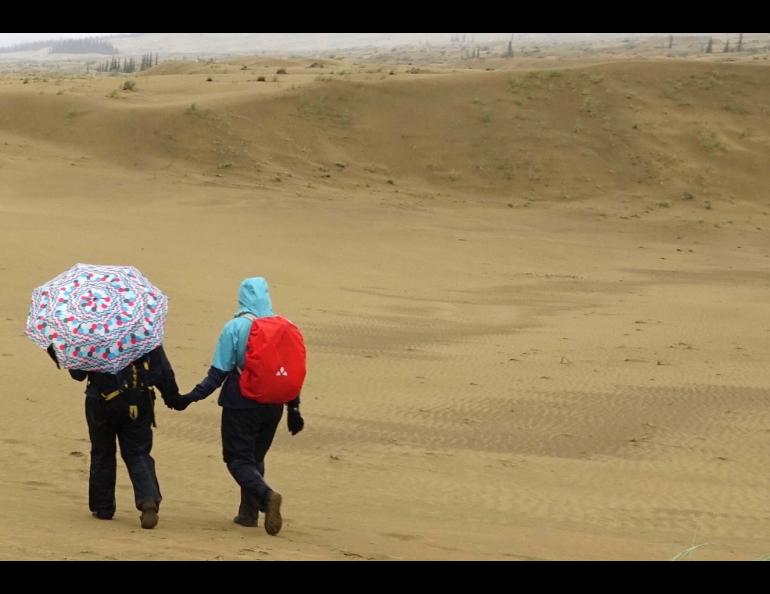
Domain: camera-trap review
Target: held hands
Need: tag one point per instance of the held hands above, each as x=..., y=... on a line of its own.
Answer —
x=182, y=402
x=178, y=401
x=294, y=421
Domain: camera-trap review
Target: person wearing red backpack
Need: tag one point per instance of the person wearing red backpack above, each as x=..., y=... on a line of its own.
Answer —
x=260, y=359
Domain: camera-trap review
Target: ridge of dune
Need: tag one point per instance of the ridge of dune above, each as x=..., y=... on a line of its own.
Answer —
x=557, y=133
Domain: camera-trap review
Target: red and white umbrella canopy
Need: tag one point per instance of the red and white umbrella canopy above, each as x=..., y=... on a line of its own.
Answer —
x=98, y=318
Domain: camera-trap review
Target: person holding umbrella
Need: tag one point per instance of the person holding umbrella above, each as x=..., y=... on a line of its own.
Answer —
x=105, y=324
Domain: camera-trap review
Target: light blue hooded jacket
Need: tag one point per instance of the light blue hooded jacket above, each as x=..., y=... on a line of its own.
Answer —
x=253, y=298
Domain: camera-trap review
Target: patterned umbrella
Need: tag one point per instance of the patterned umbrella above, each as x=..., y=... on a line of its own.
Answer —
x=98, y=318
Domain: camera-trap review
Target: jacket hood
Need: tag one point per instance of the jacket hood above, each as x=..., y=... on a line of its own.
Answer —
x=254, y=298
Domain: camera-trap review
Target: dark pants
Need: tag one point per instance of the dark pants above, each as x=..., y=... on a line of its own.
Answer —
x=108, y=419
x=246, y=437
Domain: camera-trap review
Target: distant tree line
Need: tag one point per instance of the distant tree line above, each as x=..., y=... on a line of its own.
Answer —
x=82, y=46
x=128, y=65
x=456, y=38
x=739, y=48
x=147, y=61
x=54, y=44
x=469, y=53
x=29, y=46
x=509, y=52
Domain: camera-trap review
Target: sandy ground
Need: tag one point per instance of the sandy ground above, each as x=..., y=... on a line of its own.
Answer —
x=535, y=303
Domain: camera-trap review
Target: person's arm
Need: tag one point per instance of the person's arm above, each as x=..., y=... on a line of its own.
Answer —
x=164, y=378
x=221, y=365
x=211, y=382
x=206, y=387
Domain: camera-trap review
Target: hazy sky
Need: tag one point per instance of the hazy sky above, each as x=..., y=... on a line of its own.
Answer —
x=14, y=38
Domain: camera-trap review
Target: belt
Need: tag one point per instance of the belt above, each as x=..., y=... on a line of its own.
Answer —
x=111, y=395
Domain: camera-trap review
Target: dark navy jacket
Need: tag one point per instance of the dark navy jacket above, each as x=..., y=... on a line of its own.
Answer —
x=160, y=374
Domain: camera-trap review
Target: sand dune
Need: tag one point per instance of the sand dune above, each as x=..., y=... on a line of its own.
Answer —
x=534, y=299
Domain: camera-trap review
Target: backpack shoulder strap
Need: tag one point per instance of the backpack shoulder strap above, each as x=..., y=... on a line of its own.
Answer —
x=142, y=365
x=252, y=317
x=135, y=378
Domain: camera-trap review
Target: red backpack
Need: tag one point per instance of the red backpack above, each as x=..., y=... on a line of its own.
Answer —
x=274, y=365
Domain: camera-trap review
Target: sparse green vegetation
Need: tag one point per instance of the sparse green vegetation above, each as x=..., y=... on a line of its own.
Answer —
x=578, y=128
x=129, y=85
x=327, y=108
x=709, y=83
x=589, y=105
x=732, y=106
x=596, y=78
x=709, y=140
x=685, y=554
x=517, y=83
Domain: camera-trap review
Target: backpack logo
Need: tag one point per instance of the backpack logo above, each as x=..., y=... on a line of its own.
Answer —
x=281, y=371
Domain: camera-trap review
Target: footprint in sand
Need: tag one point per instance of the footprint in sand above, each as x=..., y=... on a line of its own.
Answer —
x=401, y=536
x=36, y=484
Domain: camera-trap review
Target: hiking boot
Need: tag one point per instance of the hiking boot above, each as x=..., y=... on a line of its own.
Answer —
x=273, y=520
x=248, y=511
x=244, y=521
x=149, y=517
x=103, y=515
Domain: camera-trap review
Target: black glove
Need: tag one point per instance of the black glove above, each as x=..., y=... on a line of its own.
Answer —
x=294, y=421
x=169, y=400
x=181, y=402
